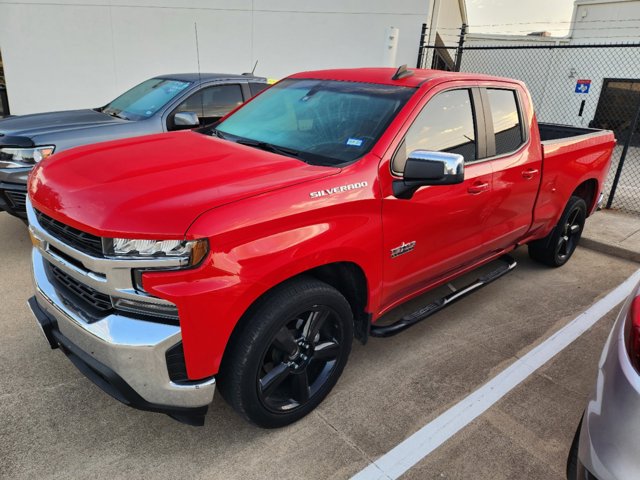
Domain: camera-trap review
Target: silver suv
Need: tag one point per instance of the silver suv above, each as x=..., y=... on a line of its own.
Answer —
x=606, y=444
x=160, y=104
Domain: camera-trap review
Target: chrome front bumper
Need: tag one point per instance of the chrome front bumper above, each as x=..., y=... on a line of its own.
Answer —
x=132, y=348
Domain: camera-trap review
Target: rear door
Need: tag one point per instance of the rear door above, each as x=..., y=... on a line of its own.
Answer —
x=516, y=162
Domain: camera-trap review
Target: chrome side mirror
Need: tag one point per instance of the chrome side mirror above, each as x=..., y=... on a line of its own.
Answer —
x=186, y=120
x=429, y=168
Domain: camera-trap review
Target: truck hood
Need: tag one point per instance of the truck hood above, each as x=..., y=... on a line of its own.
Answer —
x=155, y=186
x=54, y=122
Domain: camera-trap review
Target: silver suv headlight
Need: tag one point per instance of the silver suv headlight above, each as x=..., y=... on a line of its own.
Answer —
x=11, y=157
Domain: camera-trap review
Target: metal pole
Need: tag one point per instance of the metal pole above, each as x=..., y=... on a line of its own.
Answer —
x=423, y=35
x=623, y=156
x=463, y=31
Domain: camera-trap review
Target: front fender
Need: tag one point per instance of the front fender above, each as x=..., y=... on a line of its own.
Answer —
x=253, y=252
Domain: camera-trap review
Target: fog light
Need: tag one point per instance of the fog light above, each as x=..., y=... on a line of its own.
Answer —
x=158, y=310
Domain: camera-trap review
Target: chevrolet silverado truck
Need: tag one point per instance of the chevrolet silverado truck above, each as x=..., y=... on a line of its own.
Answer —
x=247, y=256
x=160, y=104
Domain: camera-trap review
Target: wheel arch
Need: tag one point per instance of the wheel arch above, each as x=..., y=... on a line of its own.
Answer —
x=345, y=276
x=587, y=190
x=350, y=280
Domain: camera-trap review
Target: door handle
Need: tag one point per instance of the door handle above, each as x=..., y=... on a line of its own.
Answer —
x=478, y=187
x=529, y=173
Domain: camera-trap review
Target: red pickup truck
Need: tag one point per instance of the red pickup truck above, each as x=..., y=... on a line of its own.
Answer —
x=250, y=254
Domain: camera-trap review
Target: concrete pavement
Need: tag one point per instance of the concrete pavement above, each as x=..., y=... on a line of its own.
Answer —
x=614, y=233
x=56, y=424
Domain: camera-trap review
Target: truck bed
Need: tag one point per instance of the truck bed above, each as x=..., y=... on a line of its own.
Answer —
x=551, y=131
x=571, y=156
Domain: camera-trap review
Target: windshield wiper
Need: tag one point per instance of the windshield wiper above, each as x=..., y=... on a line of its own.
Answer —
x=269, y=147
x=217, y=133
x=114, y=114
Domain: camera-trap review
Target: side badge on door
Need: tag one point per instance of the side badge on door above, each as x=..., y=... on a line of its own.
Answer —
x=404, y=248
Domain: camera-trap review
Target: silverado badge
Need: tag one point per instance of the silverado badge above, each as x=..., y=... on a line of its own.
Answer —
x=343, y=188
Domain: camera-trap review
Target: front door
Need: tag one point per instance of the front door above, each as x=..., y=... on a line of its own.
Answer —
x=440, y=228
x=210, y=103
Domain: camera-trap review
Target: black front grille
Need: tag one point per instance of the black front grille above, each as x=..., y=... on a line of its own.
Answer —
x=17, y=199
x=100, y=303
x=73, y=237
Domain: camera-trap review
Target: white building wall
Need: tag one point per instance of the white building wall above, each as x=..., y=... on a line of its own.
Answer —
x=62, y=54
x=606, y=20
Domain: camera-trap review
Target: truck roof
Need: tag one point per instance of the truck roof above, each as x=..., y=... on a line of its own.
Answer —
x=384, y=76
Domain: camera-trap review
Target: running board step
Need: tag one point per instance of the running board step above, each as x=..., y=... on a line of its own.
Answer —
x=409, y=320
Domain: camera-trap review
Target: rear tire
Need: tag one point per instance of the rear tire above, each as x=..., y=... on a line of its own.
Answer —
x=288, y=353
x=557, y=248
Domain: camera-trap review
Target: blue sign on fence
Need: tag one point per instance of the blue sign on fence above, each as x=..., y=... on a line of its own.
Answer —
x=582, y=86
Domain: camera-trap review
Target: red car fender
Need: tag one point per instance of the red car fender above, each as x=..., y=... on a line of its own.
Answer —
x=259, y=244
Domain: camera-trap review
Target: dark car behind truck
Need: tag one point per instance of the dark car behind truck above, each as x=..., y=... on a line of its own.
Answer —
x=160, y=104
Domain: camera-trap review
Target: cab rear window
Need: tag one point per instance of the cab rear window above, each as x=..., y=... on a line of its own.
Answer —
x=507, y=124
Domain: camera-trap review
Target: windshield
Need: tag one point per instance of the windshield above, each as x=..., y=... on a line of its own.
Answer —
x=321, y=122
x=144, y=100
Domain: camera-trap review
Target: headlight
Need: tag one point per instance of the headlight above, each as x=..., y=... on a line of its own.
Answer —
x=195, y=250
x=11, y=157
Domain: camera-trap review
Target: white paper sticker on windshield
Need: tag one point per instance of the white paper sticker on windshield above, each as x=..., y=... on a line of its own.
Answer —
x=354, y=142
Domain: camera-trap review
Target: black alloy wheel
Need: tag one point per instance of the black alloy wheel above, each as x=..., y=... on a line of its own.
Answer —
x=557, y=248
x=300, y=360
x=571, y=231
x=287, y=353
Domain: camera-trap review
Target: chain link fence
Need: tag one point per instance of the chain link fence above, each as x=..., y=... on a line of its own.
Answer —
x=580, y=85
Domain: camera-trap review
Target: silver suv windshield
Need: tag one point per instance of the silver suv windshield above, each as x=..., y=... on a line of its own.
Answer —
x=144, y=100
x=322, y=122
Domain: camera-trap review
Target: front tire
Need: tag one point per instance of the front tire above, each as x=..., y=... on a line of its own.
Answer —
x=288, y=353
x=557, y=248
